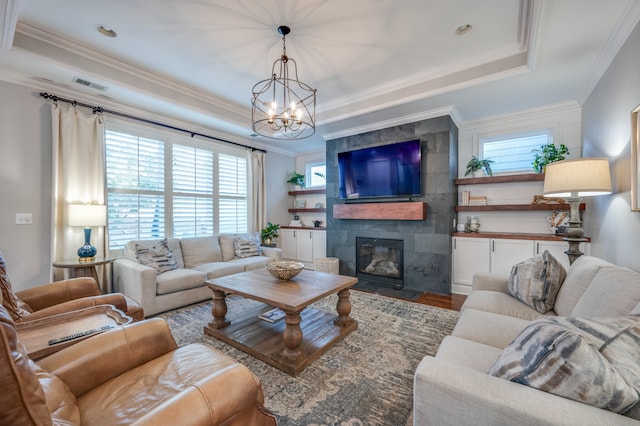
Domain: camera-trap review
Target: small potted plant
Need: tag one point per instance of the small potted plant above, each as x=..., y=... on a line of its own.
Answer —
x=547, y=154
x=297, y=180
x=476, y=165
x=269, y=233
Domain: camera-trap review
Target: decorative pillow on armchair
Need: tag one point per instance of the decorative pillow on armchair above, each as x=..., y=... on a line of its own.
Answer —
x=536, y=281
x=159, y=256
x=16, y=307
x=247, y=245
x=592, y=360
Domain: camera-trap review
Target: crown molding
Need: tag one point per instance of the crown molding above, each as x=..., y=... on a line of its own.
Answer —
x=398, y=121
x=628, y=21
x=548, y=112
x=9, y=10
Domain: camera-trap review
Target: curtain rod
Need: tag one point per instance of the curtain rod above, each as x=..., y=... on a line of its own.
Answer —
x=98, y=109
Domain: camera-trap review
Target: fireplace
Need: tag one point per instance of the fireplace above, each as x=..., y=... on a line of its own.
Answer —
x=380, y=261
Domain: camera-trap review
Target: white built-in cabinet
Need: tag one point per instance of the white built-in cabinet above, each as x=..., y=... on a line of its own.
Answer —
x=498, y=255
x=304, y=245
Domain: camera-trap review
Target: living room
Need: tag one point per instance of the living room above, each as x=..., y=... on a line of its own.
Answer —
x=594, y=121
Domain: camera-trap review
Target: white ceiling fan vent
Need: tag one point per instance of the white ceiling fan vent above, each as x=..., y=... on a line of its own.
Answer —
x=88, y=83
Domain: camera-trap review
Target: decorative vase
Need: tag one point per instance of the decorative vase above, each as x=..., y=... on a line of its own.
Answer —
x=87, y=252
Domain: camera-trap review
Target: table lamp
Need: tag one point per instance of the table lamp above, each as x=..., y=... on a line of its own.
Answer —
x=574, y=179
x=87, y=215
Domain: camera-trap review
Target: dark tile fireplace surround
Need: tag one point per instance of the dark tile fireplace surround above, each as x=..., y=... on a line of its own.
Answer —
x=426, y=260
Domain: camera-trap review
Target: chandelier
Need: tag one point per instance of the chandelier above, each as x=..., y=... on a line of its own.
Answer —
x=283, y=107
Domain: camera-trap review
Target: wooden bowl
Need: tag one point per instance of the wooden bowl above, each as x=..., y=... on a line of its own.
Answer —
x=284, y=270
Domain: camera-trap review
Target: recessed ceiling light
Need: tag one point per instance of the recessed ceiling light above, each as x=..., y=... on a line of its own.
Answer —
x=463, y=29
x=106, y=31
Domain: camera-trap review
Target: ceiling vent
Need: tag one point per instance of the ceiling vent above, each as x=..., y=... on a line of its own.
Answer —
x=88, y=83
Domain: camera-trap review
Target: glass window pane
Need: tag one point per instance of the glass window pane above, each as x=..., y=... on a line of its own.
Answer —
x=513, y=153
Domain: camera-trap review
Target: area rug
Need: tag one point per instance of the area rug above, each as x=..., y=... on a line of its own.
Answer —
x=365, y=379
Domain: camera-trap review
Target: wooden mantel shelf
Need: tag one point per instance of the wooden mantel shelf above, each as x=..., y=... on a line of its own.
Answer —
x=413, y=210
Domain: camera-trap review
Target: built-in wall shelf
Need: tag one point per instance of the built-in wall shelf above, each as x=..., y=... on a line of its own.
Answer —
x=513, y=236
x=308, y=191
x=313, y=210
x=529, y=177
x=412, y=210
x=516, y=207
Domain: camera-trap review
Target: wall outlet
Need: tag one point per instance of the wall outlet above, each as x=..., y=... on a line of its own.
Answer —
x=24, y=219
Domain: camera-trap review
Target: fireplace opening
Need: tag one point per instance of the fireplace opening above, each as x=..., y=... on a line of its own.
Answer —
x=379, y=261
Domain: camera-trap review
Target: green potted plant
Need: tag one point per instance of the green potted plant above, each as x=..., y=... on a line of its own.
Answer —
x=548, y=153
x=476, y=164
x=296, y=179
x=269, y=233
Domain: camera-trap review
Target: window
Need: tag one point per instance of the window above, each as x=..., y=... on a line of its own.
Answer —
x=162, y=185
x=513, y=152
x=316, y=175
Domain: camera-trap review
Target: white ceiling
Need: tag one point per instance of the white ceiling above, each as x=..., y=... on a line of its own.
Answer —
x=374, y=62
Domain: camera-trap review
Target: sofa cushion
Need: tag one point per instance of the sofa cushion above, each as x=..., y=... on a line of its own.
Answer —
x=488, y=328
x=158, y=256
x=219, y=269
x=536, y=281
x=226, y=245
x=592, y=360
x=61, y=402
x=252, y=263
x=499, y=303
x=578, y=278
x=16, y=307
x=613, y=291
x=199, y=250
x=247, y=245
x=179, y=279
x=466, y=353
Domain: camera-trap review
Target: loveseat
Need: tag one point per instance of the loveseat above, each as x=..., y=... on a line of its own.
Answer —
x=506, y=362
x=134, y=374
x=171, y=273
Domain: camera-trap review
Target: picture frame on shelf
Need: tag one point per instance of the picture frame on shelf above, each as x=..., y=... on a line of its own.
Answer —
x=299, y=204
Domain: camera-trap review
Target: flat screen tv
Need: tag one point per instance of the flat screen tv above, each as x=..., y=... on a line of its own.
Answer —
x=386, y=171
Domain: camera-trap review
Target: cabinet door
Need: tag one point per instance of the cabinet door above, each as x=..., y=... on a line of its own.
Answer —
x=319, y=244
x=304, y=245
x=288, y=243
x=557, y=249
x=506, y=253
x=470, y=255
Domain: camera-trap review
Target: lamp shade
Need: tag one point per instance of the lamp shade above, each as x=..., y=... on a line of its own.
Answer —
x=577, y=178
x=87, y=215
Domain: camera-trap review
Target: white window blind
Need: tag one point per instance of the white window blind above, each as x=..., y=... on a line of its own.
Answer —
x=514, y=152
x=233, y=214
x=135, y=185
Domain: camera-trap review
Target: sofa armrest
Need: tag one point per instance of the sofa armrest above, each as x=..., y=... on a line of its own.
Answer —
x=488, y=281
x=96, y=360
x=273, y=252
x=46, y=295
x=118, y=301
x=137, y=281
x=448, y=394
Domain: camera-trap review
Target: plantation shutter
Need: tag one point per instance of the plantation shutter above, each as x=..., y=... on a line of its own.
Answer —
x=233, y=214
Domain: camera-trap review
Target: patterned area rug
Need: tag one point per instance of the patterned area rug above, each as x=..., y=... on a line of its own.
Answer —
x=365, y=379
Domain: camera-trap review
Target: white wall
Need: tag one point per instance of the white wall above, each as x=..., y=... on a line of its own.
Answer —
x=606, y=132
x=25, y=182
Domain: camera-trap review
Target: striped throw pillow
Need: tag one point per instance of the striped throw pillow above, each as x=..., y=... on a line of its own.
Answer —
x=159, y=256
x=591, y=360
x=247, y=245
x=536, y=281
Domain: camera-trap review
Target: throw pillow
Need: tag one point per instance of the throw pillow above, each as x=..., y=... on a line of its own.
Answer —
x=247, y=245
x=592, y=360
x=536, y=281
x=16, y=307
x=159, y=256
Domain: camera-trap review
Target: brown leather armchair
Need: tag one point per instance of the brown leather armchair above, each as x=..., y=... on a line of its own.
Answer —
x=135, y=374
x=61, y=296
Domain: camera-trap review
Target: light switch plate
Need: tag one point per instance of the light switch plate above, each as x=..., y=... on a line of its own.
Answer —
x=24, y=219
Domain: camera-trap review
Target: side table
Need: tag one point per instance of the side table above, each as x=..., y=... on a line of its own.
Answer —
x=79, y=268
x=38, y=336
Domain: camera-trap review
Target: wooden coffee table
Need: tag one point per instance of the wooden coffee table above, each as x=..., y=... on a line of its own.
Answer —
x=302, y=336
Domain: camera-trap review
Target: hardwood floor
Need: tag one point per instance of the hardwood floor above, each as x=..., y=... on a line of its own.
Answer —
x=453, y=301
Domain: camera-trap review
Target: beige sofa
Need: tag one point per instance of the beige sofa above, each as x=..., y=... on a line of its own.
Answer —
x=454, y=387
x=198, y=259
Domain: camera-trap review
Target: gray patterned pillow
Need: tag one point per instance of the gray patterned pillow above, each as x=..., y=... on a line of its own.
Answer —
x=159, y=256
x=536, y=281
x=247, y=245
x=592, y=360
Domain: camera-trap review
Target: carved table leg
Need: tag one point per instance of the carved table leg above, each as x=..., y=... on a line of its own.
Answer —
x=292, y=336
x=219, y=310
x=344, y=309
